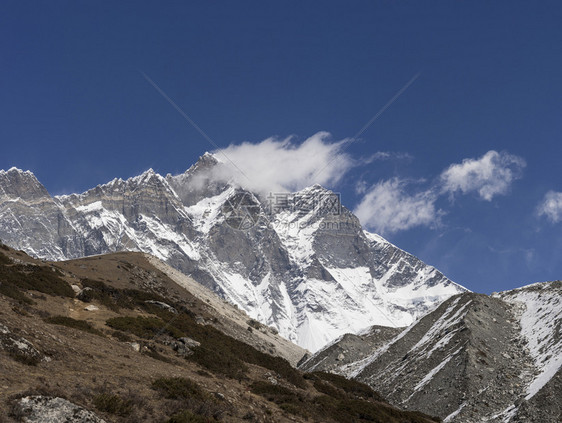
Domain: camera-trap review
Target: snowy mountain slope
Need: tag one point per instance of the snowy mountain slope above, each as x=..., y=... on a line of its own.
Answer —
x=31, y=220
x=539, y=311
x=142, y=213
x=299, y=262
x=460, y=362
x=473, y=359
x=540, y=315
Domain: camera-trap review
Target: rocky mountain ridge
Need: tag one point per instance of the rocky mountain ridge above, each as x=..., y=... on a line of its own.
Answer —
x=475, y=358
x=299, y=262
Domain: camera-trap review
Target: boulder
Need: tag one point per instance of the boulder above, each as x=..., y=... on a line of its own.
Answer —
x=42, y=409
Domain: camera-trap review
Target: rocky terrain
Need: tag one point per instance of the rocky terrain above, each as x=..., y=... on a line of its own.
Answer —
x=474, y=359
x=115, y=339
x=348, y=348
x=298, y=262
x=539, y=310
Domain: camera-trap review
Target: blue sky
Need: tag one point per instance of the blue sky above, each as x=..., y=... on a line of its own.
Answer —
x=456, y=170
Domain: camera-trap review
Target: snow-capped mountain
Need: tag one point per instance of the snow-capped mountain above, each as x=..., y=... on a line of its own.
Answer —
x=475, y=358
x=299, y=262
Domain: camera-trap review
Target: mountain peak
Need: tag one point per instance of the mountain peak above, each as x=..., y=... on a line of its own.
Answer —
x=11, y=170
x=206, y=161
x=315, y=189
x=17, y=171
x=147, y=176
x=17, y=183
x=208, y=157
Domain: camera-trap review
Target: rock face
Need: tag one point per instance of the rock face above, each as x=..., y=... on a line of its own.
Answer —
x=299, y=262
x=475, y=358
x=539, y=311
x=40, y=409
x=348, y=348
x=32, y=220
x=17, y=347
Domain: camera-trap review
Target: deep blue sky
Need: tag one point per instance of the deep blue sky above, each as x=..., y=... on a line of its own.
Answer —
x=76, y=110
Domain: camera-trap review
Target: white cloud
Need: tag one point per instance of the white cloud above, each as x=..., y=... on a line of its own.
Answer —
x=490, y=175
x=361, y=186
x=388, y=207
x=551, y=206
x=388, y=155
x=282, y=165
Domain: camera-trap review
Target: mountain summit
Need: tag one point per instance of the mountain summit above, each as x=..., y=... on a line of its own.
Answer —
x=300, y=262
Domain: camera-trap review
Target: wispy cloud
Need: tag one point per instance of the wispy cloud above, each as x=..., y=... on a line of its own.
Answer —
x=274, y=165
x=287, y=165
x=489, y=175
x=551, y=206
x=387, y=207
x=388, y=155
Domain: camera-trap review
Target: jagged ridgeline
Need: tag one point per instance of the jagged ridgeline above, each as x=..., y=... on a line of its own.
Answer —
x=114, y=339
x=299, y=262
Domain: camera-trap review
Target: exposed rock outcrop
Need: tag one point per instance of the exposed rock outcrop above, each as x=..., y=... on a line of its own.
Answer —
x=41, y=409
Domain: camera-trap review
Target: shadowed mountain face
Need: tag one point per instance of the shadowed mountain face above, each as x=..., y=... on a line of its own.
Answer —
x=475, y=358
x=348, y=349
x=299, y=262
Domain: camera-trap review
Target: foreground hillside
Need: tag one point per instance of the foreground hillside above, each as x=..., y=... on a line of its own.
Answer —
x=112, y=338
